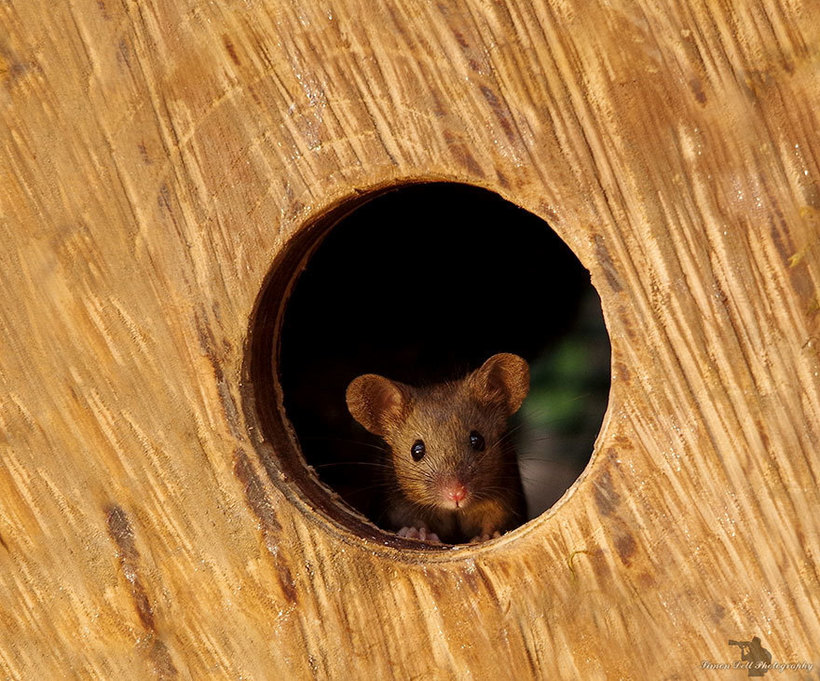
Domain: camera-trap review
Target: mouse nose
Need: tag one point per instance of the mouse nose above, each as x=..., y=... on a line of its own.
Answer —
x=455, y=492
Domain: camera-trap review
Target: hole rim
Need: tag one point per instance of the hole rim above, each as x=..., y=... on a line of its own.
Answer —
x=273, y=436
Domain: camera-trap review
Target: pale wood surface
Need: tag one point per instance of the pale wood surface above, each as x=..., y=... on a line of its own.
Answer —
x=157, y=155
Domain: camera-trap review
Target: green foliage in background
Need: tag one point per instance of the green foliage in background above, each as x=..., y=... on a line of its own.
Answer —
x=569, y=390
x=559, y=381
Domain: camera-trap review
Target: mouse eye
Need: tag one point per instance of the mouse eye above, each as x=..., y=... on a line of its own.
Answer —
x=417, y=450
x=476, y=441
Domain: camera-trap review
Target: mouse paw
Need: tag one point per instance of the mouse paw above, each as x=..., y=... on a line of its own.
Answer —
x=419, y=533
x=485, y=537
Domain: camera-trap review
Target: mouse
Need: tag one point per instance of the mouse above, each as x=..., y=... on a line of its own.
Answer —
x=453, y=473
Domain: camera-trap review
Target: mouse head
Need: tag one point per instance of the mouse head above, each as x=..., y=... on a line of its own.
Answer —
x=444, y=439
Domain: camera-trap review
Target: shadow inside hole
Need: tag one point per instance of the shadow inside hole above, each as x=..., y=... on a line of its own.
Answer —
x=422, y=284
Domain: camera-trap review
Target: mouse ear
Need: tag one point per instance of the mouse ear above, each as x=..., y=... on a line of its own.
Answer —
x=378, y=403
x=503, y=379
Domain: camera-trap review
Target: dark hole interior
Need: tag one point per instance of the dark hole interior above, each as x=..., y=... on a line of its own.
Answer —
x=422, y=284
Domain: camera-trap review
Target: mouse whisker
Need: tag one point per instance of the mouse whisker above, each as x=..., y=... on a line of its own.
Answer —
x=352, y=463
x=345, y=440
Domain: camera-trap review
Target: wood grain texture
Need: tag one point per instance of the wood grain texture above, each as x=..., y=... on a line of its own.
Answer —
x=157, y=156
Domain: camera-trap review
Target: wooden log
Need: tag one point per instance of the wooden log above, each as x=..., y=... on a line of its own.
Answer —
x=159, y=157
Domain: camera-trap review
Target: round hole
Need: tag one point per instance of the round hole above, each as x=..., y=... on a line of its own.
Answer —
x=421, y=284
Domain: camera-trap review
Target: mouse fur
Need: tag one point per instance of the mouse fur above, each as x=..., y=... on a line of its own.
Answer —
x=466, y=484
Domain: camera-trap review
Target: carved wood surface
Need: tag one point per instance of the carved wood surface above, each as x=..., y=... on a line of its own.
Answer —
x=156, y=158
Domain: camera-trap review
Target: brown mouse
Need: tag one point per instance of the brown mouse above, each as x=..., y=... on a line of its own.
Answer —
x=455, y=472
